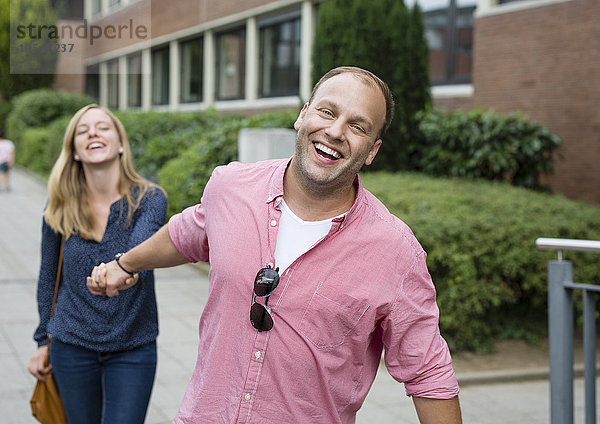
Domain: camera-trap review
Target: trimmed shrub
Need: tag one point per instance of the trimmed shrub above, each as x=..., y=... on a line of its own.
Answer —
x=480, y=238
x=5, y=109
x=38, y=108
x=31, y=152
x=484, y=145
x=185, y=177
x=283, y=119
x=158, y=130
x=39, y=147
x=169, y=136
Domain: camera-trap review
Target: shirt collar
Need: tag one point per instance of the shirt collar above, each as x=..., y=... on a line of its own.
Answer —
x=276, y=191
x=276, y=184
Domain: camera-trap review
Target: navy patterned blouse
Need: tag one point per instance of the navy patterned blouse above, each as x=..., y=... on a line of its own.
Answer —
x=100, y=323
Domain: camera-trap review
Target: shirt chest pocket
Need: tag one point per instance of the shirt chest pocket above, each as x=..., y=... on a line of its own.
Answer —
x=331, y=316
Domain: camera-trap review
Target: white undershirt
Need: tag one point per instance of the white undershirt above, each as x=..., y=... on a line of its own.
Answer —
x=295, y=236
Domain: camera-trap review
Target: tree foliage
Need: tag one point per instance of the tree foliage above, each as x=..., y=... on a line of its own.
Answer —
x=387, y=38
x=29, y=62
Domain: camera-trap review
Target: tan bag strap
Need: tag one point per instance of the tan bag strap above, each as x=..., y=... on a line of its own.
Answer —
x=60, y=261
x=47, y=358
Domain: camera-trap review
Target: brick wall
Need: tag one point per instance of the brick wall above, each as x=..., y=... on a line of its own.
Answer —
x=545, y=61
x=464, y=103
x=214, y=9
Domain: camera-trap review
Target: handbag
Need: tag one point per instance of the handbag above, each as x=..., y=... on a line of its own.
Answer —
x=46, y=404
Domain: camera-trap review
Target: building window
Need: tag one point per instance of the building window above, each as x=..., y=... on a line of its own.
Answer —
x=96, y=6
x=113, y=3
x=112, y=79
x=92, y=82
x=280, y=59
x=134, y=80
x=160, y=76
x=191, y=70
x=449, y=32
x=68, y=9
x=231, y=64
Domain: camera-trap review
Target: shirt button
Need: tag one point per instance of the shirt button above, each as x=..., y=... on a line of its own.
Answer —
x=270, y=265
x=273, y=223
x=247, y=397
x=257, y=355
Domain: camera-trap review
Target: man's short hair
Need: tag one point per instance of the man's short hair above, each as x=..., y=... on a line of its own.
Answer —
x=368, y=78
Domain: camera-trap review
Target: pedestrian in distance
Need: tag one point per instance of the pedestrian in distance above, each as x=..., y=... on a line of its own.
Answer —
x=102, y=350
x=7, y=160
x=311, y=278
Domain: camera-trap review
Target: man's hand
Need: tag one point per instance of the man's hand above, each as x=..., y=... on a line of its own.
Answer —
x=108, y=279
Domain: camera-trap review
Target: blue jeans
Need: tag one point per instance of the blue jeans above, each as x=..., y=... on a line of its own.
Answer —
x=111, y=388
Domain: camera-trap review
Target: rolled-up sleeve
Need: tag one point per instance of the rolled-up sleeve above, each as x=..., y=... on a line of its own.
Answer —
x=415, y=352
x=188, y=233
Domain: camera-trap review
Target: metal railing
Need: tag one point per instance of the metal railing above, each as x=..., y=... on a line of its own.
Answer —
x=561, y=329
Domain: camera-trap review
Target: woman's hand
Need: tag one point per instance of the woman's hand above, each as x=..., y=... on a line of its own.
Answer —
x=36, y=365
x=108, y=279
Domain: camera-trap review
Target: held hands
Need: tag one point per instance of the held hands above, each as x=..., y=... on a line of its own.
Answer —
x=108, y=279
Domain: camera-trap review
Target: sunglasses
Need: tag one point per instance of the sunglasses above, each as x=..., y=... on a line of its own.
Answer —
x=265, y=282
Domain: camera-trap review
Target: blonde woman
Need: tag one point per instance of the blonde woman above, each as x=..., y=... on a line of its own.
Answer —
x=103, y=350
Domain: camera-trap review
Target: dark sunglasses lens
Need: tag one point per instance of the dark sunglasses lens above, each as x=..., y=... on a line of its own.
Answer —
x=265, y=282
x=260, y=318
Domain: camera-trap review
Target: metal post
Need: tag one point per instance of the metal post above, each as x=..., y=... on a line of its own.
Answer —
x=589, y=352
x=560, y=334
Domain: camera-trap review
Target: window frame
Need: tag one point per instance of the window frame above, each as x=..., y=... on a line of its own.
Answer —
x=134, y=79
x=164, y=82
x=292, y=86
x=241, y=62
x=92, y=76
x=112, y=85
x=451, y=48
x=182, y=71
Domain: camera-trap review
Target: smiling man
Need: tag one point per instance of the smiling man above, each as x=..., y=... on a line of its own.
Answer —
x=311, y=278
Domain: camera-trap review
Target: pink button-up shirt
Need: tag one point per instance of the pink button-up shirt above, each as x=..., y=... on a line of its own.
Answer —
x=361, y=289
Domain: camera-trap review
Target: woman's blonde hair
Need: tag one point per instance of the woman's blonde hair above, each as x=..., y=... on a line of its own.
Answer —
x=69, y=211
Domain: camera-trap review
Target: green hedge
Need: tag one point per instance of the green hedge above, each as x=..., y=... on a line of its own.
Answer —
x=5, y=109
x=39, y=147
x=38, y=108
x=484, y=145
x=480, y=238
x=185, y=176
x=156, y=137
x=479, y=235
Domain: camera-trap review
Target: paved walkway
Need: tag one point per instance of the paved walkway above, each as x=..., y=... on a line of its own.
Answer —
x=181, y=294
